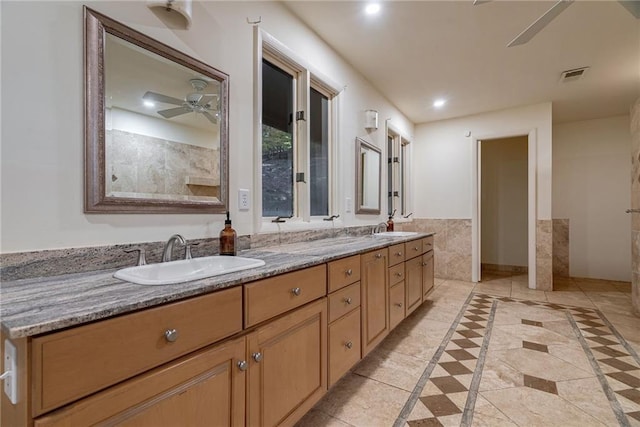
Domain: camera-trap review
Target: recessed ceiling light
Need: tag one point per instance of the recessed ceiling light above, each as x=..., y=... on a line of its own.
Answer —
x=149, y=104
x=439, y=103
x=372, y=8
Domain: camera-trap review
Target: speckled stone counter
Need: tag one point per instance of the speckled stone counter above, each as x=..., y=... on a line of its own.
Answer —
x=34, y=306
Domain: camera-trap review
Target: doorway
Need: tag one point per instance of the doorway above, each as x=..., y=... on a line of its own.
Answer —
x=503, y=209
x=531, y=192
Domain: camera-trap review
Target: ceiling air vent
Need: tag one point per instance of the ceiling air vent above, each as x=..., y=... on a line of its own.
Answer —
x=572, y=75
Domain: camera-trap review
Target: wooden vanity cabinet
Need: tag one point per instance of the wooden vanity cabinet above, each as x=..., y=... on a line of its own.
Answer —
x=427, y=274
x=374, y=286
x=205, y=388
x=413, y=291
x=287, y=366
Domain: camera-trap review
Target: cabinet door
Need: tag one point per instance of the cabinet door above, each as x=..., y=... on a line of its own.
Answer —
x=396, y=308
x=374, y=302
x=413, y=282
x=344, y=345
x=427, y=273
x=206, y=388
x=287, y=366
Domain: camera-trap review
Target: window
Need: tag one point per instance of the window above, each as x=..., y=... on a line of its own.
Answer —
x=297, y=118
x=397, y=171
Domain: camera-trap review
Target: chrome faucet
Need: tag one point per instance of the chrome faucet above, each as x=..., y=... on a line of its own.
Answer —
x=382, y=227
x=168, y=247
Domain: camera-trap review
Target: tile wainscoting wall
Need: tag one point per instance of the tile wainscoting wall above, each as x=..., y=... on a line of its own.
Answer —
x=635, y=204
x=453, y=248
x=561, y=247
x=452, y=245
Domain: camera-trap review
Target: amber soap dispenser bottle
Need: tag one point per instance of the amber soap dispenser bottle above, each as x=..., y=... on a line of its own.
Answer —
x=228, y=238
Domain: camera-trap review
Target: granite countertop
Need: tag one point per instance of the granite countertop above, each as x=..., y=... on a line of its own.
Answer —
x=34, y=306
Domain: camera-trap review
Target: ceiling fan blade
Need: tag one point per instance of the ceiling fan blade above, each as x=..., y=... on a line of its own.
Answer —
x=172, y=112
x=540, y=23
x=211, y=117
x=477, y=2
x=206, y=100
x=158, y=97
x=633, y=6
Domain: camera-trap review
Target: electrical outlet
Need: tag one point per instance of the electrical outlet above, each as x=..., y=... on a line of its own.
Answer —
x=10, y=371
x=244, y=203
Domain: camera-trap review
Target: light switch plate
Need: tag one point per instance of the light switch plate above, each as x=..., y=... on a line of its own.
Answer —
x=349, y=204
x=244, y=202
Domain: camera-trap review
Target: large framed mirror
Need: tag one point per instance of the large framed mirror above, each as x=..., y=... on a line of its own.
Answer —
x=156, y=125
x=368, y=171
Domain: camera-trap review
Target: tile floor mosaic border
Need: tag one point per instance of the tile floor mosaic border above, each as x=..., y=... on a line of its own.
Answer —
x=449, y=386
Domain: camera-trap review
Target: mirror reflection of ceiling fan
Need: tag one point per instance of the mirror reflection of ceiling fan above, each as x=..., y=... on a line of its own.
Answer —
x=633, y=6
x=196, y=102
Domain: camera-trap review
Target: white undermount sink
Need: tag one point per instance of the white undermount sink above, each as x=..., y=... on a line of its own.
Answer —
x=395, y=234
x=168, y=273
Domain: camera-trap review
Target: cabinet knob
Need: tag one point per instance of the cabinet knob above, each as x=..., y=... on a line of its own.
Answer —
x=348, y=300
x=398, y=253
x=378, y=255
x=349, y=272
x=243, y=365
x=398, y=274
x=296, y=291
x=424, y=264
x=171, y=335
x=349, y=345
x=415, y=248
x=257, y=356
x=398, y=304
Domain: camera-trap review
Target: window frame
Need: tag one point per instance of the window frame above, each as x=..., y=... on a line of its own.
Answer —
x=306, y=77
x=400, y=170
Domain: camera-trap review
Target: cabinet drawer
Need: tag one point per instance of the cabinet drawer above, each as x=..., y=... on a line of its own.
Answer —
x=74, y=363
x=427, y=244
x=343, y=301
x=396, y=307
x=344, y=345
x=396, y=254
x=267, y=298
x=396, y=274
x=414, y=248
x=343, y=272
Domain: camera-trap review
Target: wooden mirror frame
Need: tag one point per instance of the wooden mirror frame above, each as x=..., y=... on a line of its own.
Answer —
x=97, y=26
x=360, y=209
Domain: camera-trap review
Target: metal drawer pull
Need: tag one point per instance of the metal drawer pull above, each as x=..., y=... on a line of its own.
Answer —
x=347, y=300
x=424, y=264
x=398, y=274
x=257, y=356
x=171, y=335
x=349, y=345
x=296, y=291
x=415, y=248
x=378, y=255
x=243, y=365
x=399, y=304
x=349, y=272
x=398, y=253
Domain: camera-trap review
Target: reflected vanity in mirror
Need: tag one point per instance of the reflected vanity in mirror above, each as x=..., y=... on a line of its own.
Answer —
x=156, y=124
x=368, y=171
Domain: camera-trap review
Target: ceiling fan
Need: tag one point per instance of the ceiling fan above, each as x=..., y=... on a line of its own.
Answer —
x=633, y=6
x=196, y=102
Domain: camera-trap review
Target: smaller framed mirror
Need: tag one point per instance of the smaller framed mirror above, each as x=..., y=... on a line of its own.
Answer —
x=368, y=172
x=156, y=136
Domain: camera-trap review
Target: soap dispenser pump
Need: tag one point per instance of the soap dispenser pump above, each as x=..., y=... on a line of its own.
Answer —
x=228, y=238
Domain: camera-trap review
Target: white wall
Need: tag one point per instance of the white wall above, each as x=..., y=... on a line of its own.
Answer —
x=504, y=201
x=443, y=161
x=591, y=187
x=42, y=114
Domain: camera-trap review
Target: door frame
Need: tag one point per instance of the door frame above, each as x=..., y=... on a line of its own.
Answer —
x=532, y=166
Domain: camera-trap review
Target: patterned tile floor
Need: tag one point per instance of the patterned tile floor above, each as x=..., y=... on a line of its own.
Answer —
x=498, y=353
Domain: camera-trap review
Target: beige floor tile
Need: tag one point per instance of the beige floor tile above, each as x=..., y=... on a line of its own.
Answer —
x=412, y=345
x=575, y=298
x=419, y=412
x=487, y=415
x=503, y=290
x=534, y=334
x=363, y=402
x=542, y=365
x=393, y=368
x=587, y=395
x=316, y=418
x=498, y=375
x=528, y=294
x=451, y=420
x=501, y=339
x=573, y=354
x=530, y=407
x=562, y=327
